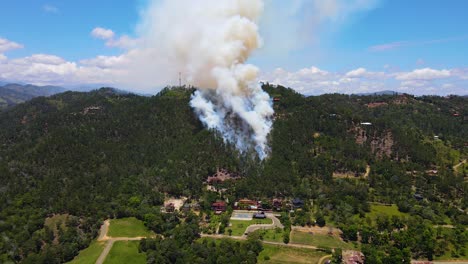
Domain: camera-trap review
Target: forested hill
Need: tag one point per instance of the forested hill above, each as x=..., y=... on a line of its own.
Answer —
x=100, y=154
x=13, y=94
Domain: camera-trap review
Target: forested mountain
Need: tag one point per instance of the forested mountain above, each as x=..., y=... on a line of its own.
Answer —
x=103, y=154
x=12, y=94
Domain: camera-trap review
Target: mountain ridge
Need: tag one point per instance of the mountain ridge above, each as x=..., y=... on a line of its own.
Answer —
x=102, y=154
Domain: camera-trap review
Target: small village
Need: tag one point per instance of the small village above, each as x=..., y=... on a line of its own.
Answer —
x=271, y=219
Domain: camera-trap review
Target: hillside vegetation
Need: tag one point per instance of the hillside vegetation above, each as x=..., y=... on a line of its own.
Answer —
x=102, y=154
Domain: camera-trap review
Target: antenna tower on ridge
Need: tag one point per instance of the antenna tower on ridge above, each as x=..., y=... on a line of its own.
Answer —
x=180, y=79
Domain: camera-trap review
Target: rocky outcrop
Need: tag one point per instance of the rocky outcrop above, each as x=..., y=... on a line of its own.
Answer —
x=381, y=144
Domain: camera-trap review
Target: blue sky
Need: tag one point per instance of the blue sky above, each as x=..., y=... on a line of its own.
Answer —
x=393, y=37
x=65, y=29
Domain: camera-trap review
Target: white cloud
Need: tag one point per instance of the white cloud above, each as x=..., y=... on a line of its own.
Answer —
x=460, y=73
x=40, y=59
x=43, y=69
x=7, y=45
x=361, y=80
x=363, y=73
x=312, y=72
x=126, y=71
x=423, y=74
x=102, y=33
x=403, y=44
x=389, y=46
x=414, y=83
x=104, y=61
x=356, y=73
x=123, y=42
x=50, y=9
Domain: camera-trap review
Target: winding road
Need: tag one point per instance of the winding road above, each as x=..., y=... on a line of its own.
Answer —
x=276, y=223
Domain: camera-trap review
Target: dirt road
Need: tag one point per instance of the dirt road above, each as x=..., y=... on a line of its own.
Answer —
x=265, y=242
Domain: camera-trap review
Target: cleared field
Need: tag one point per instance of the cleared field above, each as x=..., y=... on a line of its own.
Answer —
x=238, y=227
x=273, y=235
x=90, y=254
x=383, y=209
x=128, y=227
x=318, y=240
x=279, y=255
x=124, y=252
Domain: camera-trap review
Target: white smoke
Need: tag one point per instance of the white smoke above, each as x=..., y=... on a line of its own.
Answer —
x=209, y=41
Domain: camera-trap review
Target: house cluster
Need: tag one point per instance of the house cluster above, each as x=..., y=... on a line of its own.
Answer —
x=181, y=205
x=190, y=206
x=261, y=206
x=246, y=204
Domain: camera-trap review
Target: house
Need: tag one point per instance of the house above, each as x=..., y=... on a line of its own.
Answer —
x=260, y=215
x=170, y=208
x=353, y=257
x=195, y=206
x=186, y=207
x=246, y=204
x=277, y=204
x=219, y=207
x=418, y=197
x=298, y=203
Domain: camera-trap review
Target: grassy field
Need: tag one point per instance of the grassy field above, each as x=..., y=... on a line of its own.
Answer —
x=318, y=240
x=238, y=226
x=128, y=227
x=90, y=254
x=124, y=252
x=282, y=255
x=272, y=235
x=383, y=209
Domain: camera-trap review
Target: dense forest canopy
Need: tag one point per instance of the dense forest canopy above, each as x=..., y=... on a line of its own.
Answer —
x=103, y=154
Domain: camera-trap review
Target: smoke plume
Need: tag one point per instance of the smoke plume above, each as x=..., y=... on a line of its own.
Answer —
x=209, y=41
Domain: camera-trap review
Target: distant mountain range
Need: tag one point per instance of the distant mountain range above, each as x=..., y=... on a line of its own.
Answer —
x=13, y=94
x=387, y=92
